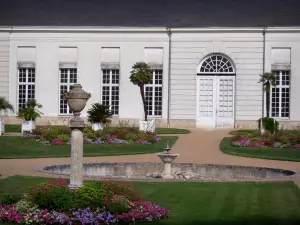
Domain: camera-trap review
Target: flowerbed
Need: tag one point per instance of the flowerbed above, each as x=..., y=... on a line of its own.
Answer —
x=98, y=203
x=282, y=139
x=118, y=135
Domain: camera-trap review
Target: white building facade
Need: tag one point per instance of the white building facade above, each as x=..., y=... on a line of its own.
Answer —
x=201, y=77
x=205, y=68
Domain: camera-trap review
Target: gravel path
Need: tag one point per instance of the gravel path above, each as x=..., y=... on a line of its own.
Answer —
x=200, y=146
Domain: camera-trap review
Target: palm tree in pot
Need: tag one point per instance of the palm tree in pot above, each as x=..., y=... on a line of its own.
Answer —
x=267, y=80
x=99, y=115
x=29, y=113
x=141, y=75
x=4, y=106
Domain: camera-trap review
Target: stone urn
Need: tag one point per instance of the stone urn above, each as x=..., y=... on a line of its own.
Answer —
x=77, y=99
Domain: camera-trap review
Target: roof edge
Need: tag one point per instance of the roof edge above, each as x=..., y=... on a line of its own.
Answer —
x=144, y=29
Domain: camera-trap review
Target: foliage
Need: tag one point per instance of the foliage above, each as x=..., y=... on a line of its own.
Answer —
x=53, y=203
x=63, y=137
x=89, y=195
x=99, y=113
x=286, y=152
x=52, y=196
x=5, y=105
x=25, y=205
x=118, y=204
x=90, y=133
x=267, y=79
x=269, y=124
x=140, y=76
x=121, y=188
x=9, y=199
x=144, y=211
x=30, y=110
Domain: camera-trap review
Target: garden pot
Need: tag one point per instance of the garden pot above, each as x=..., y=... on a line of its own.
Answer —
x=28, y=125
x=2, y=127
x=148, y=125
x=97, y=126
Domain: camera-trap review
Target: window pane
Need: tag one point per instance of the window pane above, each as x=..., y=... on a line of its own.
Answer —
x=106, y=76
x=63, y=105
x=64, y=76
x=280, y=95
x=115, y=76
x=149, y=100
x=73, y=76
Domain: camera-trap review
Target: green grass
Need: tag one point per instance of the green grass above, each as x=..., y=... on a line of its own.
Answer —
x=235, y=132
x=270, y=203
x=17, y=128
x=286, y=154
x=18, y=147
x=171, y=131
x=12, y=128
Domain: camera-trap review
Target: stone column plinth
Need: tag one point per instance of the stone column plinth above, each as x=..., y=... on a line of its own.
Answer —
x=76, y=172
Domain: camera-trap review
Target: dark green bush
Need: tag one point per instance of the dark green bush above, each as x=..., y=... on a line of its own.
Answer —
x=269, y=124
x=89, y=195
x=10, y=199
x=52, y=197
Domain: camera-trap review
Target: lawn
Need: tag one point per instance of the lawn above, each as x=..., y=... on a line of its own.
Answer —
x=270, y=203
x=17, y=128
x=287, y=154
x=18, y=147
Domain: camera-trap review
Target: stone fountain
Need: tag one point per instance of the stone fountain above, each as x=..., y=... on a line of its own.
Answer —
x=77, y=99
x=167, y=158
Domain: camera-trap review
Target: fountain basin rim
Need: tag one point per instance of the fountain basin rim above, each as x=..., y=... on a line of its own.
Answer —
x=285, y=173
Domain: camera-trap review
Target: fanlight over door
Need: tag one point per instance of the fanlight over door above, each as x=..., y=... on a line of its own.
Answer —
x=215, y=92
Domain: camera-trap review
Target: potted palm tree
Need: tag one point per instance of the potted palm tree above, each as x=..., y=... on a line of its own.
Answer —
x=267, y=80
x=4, y=106
x=29, y=113
x=140, y=76
x=99, y=116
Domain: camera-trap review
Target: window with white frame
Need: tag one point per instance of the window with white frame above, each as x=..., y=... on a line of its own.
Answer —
x=26, y=85
x=280, y=95
x=110, y=89
x=153, y=94
x=68, y=77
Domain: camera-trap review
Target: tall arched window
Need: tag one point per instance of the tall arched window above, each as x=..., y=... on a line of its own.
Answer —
x=216, y=64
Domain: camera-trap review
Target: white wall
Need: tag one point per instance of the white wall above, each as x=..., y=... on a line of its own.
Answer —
x=287, y=40
x=89, y=70
x=188, y=49
x=4, y=64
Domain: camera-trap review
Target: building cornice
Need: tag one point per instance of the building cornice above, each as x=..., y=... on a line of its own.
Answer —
x=67, y=29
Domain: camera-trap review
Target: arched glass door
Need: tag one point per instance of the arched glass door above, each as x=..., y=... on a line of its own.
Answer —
x=215, y=92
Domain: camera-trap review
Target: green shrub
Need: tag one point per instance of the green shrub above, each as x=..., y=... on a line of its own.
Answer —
x=9, y=199
x=25, y=205
x=121, y=188
x=130, y=137
x=255, y=139
x=118, y=204
x=90, y=134
x=269, y=124
x=236, y=137
x=89, y=195
x=49, y=134
x=63, y=137
x=52, y=196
